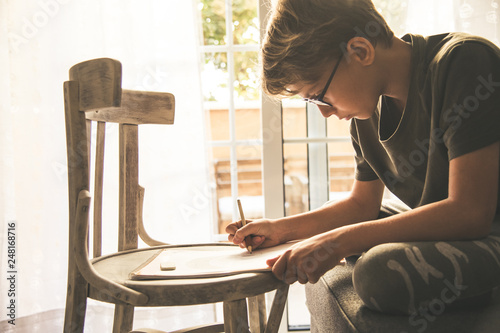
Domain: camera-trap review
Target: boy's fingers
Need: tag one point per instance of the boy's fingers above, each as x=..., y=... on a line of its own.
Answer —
x=279, y=265
x=257, y=241
x=272, y=261
x=238, y=233
x=242, y=233
x=233, y=227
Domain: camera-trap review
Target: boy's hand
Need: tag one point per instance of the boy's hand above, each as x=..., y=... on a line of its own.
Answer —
x=258, y=233
x=308, y=260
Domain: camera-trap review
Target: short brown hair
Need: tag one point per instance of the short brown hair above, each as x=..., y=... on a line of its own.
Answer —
x=302, y=35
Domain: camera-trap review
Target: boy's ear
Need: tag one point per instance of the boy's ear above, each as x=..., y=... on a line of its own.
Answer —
x=360, y=49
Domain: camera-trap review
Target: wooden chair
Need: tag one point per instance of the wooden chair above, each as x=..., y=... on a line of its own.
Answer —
x=93, y=93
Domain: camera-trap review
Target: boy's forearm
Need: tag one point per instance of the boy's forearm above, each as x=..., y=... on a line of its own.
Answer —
x=326, y=218
x=444, y=220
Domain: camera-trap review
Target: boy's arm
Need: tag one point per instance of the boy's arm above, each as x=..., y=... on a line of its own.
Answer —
x=467, y=213
x=363, y=204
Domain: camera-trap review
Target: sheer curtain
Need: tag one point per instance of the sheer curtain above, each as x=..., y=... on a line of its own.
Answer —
x=156, y=41
x=428, y=17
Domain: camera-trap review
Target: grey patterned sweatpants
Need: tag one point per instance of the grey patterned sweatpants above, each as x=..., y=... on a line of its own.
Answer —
x=422, y=277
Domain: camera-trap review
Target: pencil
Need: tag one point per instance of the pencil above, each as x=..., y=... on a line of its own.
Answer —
x=243, y=222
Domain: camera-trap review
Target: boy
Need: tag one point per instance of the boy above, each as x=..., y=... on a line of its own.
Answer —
x=425, y=124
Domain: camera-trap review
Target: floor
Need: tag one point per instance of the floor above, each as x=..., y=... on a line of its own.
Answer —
x=99, y=319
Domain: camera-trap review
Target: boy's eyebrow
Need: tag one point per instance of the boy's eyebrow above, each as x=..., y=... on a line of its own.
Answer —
x=312, y=91
x=306, y=90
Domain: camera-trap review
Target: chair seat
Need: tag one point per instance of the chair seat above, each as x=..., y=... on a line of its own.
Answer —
x=118, y=266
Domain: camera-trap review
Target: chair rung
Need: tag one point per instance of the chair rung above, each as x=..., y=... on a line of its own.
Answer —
x=210, y=328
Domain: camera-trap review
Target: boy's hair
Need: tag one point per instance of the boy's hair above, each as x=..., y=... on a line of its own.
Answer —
x=303, y=35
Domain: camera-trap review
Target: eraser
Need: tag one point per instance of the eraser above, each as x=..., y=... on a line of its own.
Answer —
x=167, y=266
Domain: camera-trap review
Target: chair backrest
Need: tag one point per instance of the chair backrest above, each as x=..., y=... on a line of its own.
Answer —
x=94, y=94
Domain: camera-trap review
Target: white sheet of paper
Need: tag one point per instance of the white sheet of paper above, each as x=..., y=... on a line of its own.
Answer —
x=207, y=261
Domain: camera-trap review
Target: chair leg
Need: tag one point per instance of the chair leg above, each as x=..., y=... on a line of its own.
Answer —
x=257, y=313
x=236, y=316
x=76, y=301
x=273, y=324
x=124, y=318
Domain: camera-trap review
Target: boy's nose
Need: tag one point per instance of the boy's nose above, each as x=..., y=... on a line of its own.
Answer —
x=326, y=111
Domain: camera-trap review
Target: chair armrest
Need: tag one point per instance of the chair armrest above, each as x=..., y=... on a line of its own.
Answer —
x=138, y=107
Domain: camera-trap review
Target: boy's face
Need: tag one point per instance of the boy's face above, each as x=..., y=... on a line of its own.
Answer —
x=353, y=92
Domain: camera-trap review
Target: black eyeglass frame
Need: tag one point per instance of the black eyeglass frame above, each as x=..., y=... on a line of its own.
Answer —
x=318, y=100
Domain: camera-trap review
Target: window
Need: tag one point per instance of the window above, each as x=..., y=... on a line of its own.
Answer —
x=284, y=158
x=229, y=49
x=262, y=152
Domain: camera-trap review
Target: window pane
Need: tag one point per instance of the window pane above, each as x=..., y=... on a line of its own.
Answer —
x=340, y=159
x=248, y=123
x=245, y=22
x=214, y=78
x=218, y=122
x=222, y=177
x=246, y=86
x=337, y=128
x=341, y=168
x=296, y=178
x=249, y=152
x=298, y=315
x=213, y=21
x=294, y=119
x=250, y=180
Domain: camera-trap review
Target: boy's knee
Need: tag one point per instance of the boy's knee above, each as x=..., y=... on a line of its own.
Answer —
x=377, y=281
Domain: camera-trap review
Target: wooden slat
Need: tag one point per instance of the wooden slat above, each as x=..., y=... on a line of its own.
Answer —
x=88, y=125
x=235, y=316
x=99, y=83
x=273, y=324
x=98, y=188
x=209, y=328
x=76, y=299
x=140, y=222
x=257, y=313
x=128, y=188
x=123, y=319
x=139, y=107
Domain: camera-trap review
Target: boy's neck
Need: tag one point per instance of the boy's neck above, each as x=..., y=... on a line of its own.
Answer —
x=395, y=68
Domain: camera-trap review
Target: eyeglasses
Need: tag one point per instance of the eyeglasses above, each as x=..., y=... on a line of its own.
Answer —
x=318, y=100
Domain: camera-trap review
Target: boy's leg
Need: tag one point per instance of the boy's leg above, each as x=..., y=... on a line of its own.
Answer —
x=482, y=265
x=407, y=278
x=331, y=299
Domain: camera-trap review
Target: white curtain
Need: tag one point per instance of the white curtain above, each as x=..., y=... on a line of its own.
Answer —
x=478, y=17
x=156, y=42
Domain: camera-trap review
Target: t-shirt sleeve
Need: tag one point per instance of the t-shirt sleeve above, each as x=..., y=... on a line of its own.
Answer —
x=470, y=115
x=364, y=172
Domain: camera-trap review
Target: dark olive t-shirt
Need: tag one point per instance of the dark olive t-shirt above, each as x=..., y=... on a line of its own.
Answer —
x=453, y=108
